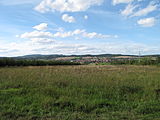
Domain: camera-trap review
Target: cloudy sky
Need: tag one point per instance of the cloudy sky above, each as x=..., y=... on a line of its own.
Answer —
x=79, y=27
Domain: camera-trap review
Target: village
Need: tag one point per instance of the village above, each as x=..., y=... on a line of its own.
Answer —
x=96, y=60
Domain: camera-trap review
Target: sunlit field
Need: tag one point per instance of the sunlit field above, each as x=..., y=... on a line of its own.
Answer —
x=80, y=93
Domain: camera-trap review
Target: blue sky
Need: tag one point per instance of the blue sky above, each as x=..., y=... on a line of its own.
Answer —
x=79, y=27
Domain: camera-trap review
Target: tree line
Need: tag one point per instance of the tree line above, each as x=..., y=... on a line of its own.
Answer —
x=25, y=62
x=139, y=61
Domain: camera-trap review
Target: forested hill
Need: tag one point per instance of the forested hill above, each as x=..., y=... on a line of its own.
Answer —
x=53, y=56
x=39, y=56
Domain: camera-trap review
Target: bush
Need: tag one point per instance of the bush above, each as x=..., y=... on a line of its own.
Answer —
x=138, y=61
x=15, y=62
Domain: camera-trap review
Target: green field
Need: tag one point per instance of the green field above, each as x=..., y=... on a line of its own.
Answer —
x=80, y=93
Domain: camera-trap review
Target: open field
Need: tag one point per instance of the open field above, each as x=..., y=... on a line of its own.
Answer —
x=80, y=93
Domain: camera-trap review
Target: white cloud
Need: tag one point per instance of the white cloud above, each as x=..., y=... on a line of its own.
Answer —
x=28, y=47
x=66, y=5
x=114, y=2
x=86, y=17
x=147, y=22
x=78, y=31
x=35, y=34
x=42, y=26
x=17, y=36
x=64, y=34
x=97, y=35
x=129, y=10
x=150, y=8
x=60, y=29
x=67, y=18
x=83, y=33
x=44, y=6
x=42, y=40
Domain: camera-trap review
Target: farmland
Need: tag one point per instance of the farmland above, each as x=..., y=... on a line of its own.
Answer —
x=86, y=92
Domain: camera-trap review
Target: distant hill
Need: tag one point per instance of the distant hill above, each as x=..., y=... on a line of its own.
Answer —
x=54, y=56
x=39, y=56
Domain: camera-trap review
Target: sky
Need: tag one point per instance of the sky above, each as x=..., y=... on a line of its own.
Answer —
x=79, y=27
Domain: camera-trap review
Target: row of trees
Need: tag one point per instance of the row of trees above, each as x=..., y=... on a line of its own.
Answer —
x=22, y=62
x=140, y=61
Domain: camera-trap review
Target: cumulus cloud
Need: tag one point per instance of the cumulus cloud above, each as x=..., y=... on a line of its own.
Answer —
x=97, y=35
x=42, y=40
x=64, y=34
x=42, y=26
x=66, y=5
x=115, y=2
x=83, y=33
x=150, y=8
x=67, y=18
x=35, y=34
x=147, y=22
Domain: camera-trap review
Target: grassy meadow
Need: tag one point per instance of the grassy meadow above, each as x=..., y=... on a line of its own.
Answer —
x=90, y=92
